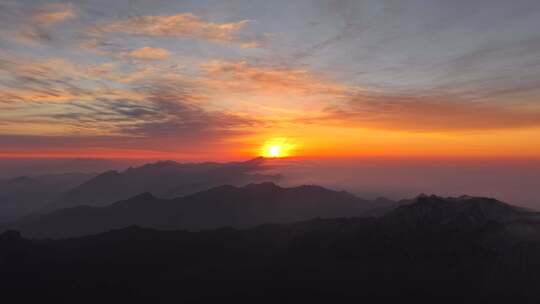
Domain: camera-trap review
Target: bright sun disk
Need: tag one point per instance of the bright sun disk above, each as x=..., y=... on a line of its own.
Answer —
x=276, y=148
x=273, y=151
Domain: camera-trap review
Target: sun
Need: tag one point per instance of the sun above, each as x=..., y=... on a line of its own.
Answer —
x=273, y=151
x=277, y=148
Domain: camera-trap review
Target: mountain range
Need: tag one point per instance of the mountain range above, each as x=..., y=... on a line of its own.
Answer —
x=221, y=206
x=165, y=179
x=203, y=233
x=426, y=250
x=256, y=204
x=24, y=194
x=39, y=194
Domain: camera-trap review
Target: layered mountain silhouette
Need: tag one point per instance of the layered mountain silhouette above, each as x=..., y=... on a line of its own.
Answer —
x=256, y=204
x=167, y=179
x=173, y=233
x=221, y=206
x=430, y=250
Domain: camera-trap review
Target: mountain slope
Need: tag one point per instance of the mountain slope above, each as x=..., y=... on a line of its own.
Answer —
x=167, y=179
x=464, y=210
x=247, y=206
x=257, y=204
x=24, y=194
x=371, y=260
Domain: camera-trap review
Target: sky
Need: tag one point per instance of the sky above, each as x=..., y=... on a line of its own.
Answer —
x=216, y=80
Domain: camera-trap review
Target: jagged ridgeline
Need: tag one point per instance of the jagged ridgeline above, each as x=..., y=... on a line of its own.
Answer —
x=239, y=207
x=427, y=250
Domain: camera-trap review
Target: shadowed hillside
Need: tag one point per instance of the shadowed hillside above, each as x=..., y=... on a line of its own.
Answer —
x=411, y=254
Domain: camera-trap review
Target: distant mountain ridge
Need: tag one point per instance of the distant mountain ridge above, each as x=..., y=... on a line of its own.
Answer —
x=246, y=206
x=166, y=179
x=24, y=194
x=256, y=204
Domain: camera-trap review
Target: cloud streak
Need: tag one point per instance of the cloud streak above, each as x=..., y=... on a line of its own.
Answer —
x=63, y=99
x=53, y=13
x=183, y=25
x=149, y=53
x=245, y=77
x=429, y=114
x=36, y=27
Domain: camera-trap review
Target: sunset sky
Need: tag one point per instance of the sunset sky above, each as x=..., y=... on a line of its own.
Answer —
x=228, y=79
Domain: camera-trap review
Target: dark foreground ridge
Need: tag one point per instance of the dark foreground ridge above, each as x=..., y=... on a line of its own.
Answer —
x=433, y=250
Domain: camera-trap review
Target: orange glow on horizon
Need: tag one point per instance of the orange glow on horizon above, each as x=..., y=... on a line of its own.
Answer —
x=277, y=148
x=314, y=141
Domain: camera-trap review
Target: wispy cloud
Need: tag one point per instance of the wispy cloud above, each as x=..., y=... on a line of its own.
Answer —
x=183, y=25
x=428, y=114
x=241, y=76
x=149, y=53
x=61, y=98
x=34, y=28
x=53, y=13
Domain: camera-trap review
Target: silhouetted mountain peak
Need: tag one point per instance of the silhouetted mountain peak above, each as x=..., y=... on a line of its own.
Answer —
x=463, y=209
x=266, y=189
x=258, y=188
x=137, y=200
x=317, y=188
x=101, y=180
x=163, y=163
x=144, y=196
x=166, y=179
x=110, y=173
x=159, y=165
x=425, y=197
x=265, y=186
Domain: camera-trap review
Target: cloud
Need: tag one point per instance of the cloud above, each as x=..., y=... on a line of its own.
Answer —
x=350, y=31
x=428, y=114
x=150, y=53
x=250, y=45
x=156, y=107
x=35, y=25
x=167, y=120
x=32, y=34
x=179, y=117
x=242, y=76
x=183, y=25
x=53, y=13
x=57, y=80
x=47, y=80
x=163, y=102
